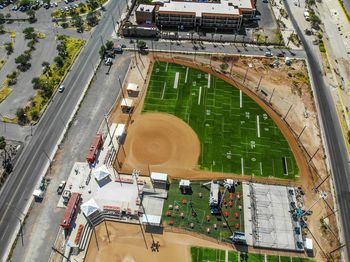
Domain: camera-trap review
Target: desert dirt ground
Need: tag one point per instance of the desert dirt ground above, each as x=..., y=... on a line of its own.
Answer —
x=284, y=93
x=127, y=245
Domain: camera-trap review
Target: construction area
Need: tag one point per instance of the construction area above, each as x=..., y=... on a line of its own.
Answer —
x=191, y=148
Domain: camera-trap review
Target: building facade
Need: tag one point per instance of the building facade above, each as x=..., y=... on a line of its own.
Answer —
x=227, y=14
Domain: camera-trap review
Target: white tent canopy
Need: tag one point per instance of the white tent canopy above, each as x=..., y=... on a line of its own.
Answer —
x=101, y=173
x=89, y=207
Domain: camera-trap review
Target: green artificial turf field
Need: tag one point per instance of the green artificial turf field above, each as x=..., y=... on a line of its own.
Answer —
x=201, y=207
x=236, y=134
x=201, y=254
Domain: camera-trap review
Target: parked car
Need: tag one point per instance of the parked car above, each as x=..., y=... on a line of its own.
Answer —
x=268, y=54
x=61, y=88
x=61, y=187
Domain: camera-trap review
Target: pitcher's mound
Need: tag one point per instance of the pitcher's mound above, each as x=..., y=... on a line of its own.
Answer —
x=162, y=140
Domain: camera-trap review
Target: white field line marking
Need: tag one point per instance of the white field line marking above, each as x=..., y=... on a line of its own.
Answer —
x=186, y=75
x=226, y=255
x=261, y=172
x=199, y=97
x=209, y=78
x=258, y=125
x=166, y=68
x=163, y=90
x=242, y=165
x=285, y=162
x=240, y=99
x=176, y=81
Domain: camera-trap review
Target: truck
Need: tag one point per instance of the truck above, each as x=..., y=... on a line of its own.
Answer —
x=95, y=146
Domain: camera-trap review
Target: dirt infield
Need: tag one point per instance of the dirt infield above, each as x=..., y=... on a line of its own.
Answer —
x=161, y=141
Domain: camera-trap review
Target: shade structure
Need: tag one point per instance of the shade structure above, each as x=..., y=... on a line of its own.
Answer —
x=101, y=173
x=89, y=207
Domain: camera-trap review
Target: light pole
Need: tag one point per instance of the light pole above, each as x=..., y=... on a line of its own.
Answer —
x=135, y=175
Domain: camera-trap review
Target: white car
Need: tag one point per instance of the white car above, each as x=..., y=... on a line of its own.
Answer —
x=268, y=54
x=61, y=88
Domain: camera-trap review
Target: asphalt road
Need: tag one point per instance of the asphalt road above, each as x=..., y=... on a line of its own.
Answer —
x=337, y=153
x=347, y=6
x=42, y=225
x=18, y=189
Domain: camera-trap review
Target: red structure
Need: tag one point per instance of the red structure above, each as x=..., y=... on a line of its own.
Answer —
x=95, y=146
x=70, y=211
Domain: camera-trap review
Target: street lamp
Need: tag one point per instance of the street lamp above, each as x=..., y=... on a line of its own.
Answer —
x=135, y=175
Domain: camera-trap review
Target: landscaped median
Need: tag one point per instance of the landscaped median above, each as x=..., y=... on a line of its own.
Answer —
x=48, y=81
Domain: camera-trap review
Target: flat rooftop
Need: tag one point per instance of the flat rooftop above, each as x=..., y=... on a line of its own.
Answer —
x=268, y=218
x=225, y=7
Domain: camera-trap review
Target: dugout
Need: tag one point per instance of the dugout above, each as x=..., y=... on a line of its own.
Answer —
x=127, y=105
x=133, y=90
x=159, y=180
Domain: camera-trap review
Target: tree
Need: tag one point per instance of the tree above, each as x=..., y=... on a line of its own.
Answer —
x=2, y=143
x=2, y=18
x=102, y=51
x=46, y=67
x=9, y=48
x=2, y=29
x=141, y=44
x=62, y=49
x=12, y=78
x=59, y=61
x=23, y=61
x=3, y=147
x=109, y=45
x=31, y=15
x=29, y=33
x=91, y=18
x=21, y=115
x=36, y=83
x=77, y=21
